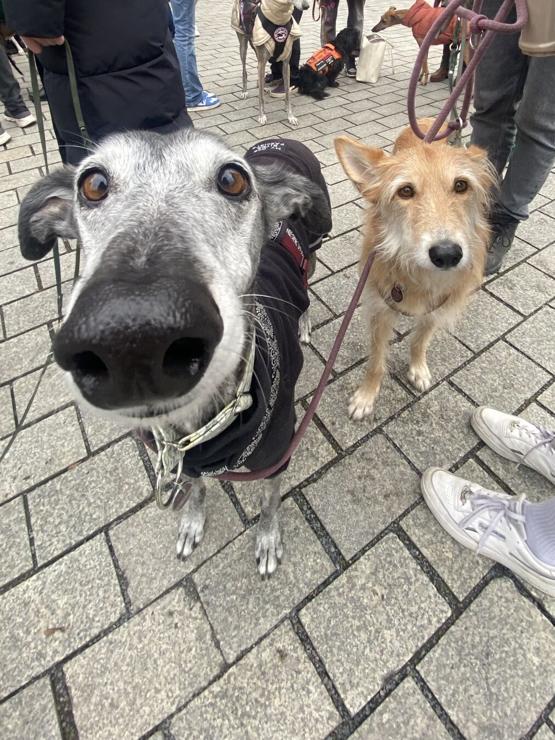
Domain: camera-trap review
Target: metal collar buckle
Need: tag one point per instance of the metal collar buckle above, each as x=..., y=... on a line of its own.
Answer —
x=170, y=449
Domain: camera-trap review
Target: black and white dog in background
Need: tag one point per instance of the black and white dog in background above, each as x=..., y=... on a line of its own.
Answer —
x=194, y=261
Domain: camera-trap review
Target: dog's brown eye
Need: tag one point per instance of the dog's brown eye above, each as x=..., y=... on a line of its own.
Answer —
x=406, y=192
x=461, y=186
x=94, y=186
x=233, y=181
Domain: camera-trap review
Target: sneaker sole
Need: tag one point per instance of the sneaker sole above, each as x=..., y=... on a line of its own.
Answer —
x=5, y=139
x=17, y=121
x=200, y=108
x=542, y=583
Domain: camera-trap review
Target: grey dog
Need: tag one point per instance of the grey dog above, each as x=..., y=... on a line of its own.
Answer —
x=173, y=232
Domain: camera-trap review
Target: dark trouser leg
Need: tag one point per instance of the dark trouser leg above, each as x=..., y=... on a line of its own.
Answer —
x=10, y=92
x=328, y=18
x=355, y=18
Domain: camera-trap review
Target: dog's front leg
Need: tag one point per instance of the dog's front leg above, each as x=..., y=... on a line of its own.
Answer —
x=191, y=527
x=262, y=59
x=286, y=83
x=243, y=46
x=269, y=549
x=361, y=403
x=424, y=72
x=419, y=372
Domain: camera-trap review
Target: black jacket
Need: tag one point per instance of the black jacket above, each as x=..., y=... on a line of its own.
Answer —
x=128, y=73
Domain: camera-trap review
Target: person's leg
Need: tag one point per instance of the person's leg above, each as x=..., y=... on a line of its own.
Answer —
x=355, y=19
x=10, y=92
x=184, y=40
x=443, y=71
x=328, y=19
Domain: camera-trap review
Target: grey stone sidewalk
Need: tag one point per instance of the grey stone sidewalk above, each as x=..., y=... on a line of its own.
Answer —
x=377, y=624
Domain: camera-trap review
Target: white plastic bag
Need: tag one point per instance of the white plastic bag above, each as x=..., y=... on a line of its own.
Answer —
x=370, y=60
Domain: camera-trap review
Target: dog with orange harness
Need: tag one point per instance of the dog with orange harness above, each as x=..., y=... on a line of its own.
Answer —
x=323, y=67
x=419, y=18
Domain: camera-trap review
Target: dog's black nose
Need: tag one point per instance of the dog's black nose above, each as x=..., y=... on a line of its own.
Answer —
x=445, y=254
x=130, y=344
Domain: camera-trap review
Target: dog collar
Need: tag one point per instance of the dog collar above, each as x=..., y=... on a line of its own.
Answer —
x=396, y=296
x=170, y=449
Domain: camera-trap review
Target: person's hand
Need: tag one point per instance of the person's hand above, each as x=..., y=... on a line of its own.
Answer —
x=36, y=44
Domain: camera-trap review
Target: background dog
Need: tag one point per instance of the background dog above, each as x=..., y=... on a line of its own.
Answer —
x=419, y=18
x=427, y=225
x=272, y=34
x=194, y=261
x=324, y=66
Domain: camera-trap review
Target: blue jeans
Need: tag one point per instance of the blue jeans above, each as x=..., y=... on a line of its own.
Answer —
x=184, y=40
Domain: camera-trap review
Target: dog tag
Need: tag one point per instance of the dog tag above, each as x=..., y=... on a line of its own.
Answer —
x=397, y=293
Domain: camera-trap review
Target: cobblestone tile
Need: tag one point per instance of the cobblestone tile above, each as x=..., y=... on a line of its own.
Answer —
x=23, y=353
x=496, y=666
x=355, y=344
x=241, y=607
x=16, y=553
x=436, y=430
x=31, y=714
x=337, y=290
x=41, y=450
x=273, y=692
x=35, y=309
x=538, y=229
x=10, y=182
x=545, y=260
x=54, y=612
x=145, y=545
x=53, y=392
x=8, y=216
x=7, y=199
x=7, y=421
x=342, y=251
x=548, y=398
x=92, y=494
x=8, y=237
x=483, y=321
x=368, y=622
x=501, y=377
x=101, y=431
x=146, y=669
x=518, y=252
x=524, y=288
x=310, y=375
x=444, y=355
x=11, y=260
x=405, y=714
x=346, y=218
x=333, y=408
x=313, y=452
x=536, y=337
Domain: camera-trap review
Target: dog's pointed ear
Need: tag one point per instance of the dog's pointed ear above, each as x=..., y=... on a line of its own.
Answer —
x=286, y=194
x=47, y=213
x=359, y=161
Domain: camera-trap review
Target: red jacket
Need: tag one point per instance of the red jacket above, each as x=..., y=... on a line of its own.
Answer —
x=419, y=18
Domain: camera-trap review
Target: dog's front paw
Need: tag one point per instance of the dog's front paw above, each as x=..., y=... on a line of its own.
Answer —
x=305, y=328
x=361, y=404
x=420, y=377
x=269, y=549
x=262, y=119
x=191, y=531
x=293, y=121
x=423, y=79
x=244, y=94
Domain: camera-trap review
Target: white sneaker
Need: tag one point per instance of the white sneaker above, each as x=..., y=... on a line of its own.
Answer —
x=5, y=137
x=517, y=440
x=26, y=119
x=487, y=522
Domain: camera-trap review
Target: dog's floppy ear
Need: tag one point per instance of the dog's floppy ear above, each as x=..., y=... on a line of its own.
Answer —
x=359, y=161
x=284, y=194
x=47, y=213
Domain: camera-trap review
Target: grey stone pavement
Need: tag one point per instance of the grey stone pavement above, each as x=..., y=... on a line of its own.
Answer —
x=377, y=624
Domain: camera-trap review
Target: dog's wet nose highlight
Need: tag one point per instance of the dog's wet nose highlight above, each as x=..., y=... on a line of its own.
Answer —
x=130, y=345
x=445, y=254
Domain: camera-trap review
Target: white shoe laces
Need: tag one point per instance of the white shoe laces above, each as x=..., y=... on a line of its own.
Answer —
x=540, y=436
x=484, y=505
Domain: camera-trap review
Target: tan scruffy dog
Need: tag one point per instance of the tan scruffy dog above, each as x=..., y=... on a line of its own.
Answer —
x=427, y=225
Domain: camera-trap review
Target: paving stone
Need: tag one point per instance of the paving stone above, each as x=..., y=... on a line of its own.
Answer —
x=518, y=252
x=333, y=408
x=320, y=272
x=355, y=343
x=33, y=310
x=310, y=375
x=536, y=337
x=16, y=553
x=23, y=353
x=31, y=714
x=52, y=393
x=436, y=430
x=8, y=216
x=501, y=377
x=368, y=622
x=99, y=430
x=41, y=450
x=342, y=192
x=346, y=218
x=545, y=260
x=10, y=182
x=544, y=733
x=342, y=251
x=8, y=237
x=444, y=355
x=483, y=321
x=405, y=714
x=147, y=668
x=538, y=229
x=337, y=290
x=524, y=288
x=7, y=421
x=240, y=606
x=318, y=312
x=548, y=398
x=11, y=260
x=496, y=666
x=273, y=692
x=9, y=199
x=363, y=494
x=54, y=612
x=67, y=268
x=313, y=452
x=145, y=545
x=90, y=495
